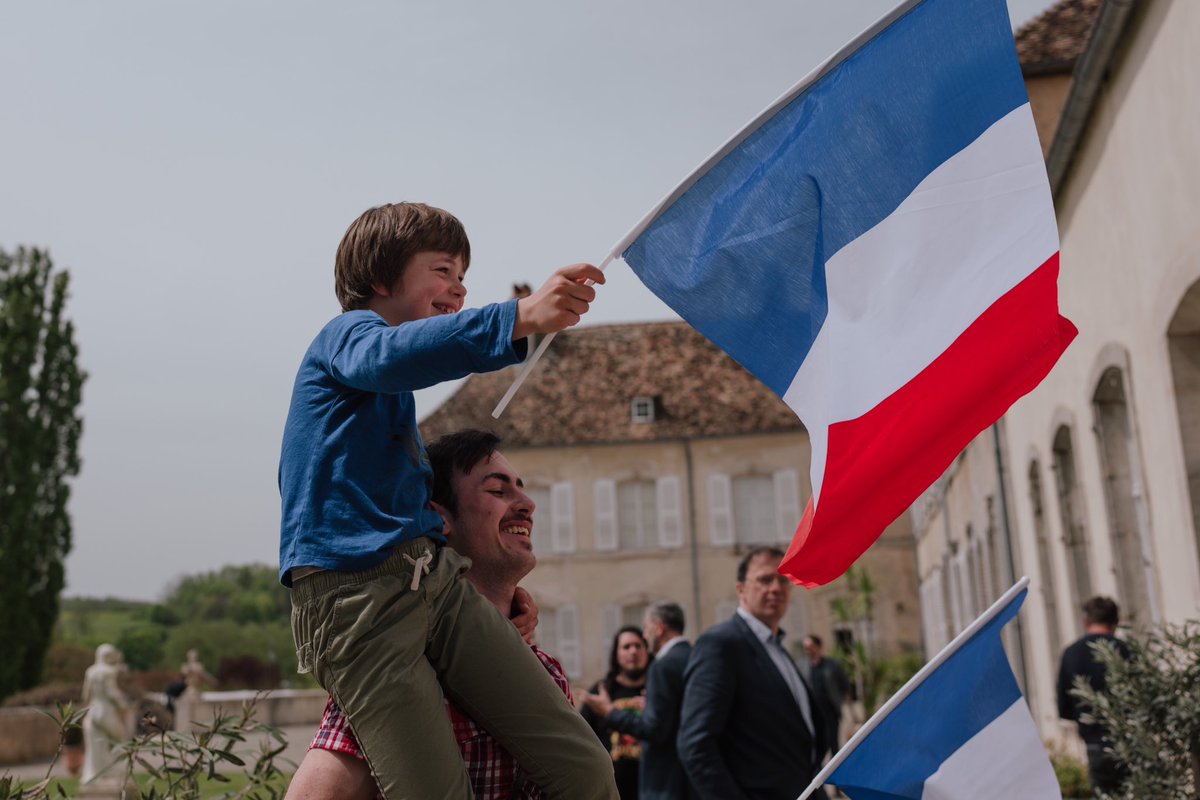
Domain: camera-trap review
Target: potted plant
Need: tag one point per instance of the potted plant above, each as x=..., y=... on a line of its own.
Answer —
x=72, y=748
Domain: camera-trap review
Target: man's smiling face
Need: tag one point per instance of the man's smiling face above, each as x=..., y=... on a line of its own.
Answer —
x=493, y=523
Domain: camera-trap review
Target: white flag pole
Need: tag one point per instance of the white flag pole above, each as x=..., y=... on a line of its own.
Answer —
x=913, y=683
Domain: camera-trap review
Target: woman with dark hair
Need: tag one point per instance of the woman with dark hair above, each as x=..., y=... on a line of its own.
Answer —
x=625, y=684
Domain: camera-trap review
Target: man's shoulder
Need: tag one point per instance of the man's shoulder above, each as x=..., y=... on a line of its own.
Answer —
x=730, y=633
x=1077, y=646
x=1084, y=643
x=675, y=659
x=680, y=651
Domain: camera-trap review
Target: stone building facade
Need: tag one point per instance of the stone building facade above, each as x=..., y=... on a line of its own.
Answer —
x=1091, y=484
x=655, y=461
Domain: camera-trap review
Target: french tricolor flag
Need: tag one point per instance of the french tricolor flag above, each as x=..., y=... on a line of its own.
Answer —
x=879, y=248
x=958, y=729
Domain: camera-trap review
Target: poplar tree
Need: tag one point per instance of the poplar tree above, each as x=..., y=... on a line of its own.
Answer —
x=40, y=426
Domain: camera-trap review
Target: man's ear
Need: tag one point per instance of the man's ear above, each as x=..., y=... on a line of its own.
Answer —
x=447, y=520
x=381, y=290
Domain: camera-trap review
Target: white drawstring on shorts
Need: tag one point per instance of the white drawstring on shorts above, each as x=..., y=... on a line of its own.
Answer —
x=420, y=566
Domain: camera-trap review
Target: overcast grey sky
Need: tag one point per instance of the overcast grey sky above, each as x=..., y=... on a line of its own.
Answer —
x=194, y=164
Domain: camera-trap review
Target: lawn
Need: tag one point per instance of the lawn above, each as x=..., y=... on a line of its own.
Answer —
x=208, y=788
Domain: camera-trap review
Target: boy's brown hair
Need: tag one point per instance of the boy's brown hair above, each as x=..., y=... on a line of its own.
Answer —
x=378, y=245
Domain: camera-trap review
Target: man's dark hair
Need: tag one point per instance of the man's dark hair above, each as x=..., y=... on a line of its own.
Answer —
x=669, y=614
x=614, y=669
x=1101, y=610
x=815, y=640
x=457, y=452
x=753, y=553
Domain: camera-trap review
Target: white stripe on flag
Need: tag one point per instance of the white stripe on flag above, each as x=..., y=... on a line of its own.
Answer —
x=900, y=294
x=1005, y=759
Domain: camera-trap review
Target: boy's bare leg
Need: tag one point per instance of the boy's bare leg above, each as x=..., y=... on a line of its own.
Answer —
x=494, y=677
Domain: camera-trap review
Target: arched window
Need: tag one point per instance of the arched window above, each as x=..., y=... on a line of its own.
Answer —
x=1070, y=506
x=1042, y=544
x=1183, y=345
x=1125, y=496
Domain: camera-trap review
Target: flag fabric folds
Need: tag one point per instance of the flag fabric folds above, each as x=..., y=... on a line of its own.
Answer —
x=879, y=248
x=960, y=728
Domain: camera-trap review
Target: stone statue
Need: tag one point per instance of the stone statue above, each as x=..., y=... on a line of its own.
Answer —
x=110, y=712
x=194, y=674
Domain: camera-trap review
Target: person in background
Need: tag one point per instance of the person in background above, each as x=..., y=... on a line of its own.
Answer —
x=661, y=776
x=625, y=685
x=830, y=685
x=1100, y=618
x=749, y=726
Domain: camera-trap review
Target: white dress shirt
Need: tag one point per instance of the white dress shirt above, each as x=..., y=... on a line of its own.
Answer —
x=783, y=662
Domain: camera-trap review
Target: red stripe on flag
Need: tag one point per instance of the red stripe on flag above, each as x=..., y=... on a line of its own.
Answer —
x=878, y=464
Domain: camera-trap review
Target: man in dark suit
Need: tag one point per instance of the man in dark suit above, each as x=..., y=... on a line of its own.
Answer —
x=660, y=775
x=749, y=727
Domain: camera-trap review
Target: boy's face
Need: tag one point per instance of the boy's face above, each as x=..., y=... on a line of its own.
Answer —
x=432, y=284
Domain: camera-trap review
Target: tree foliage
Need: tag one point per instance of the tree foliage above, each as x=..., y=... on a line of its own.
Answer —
x=1150, y=710
x=245, y=594
x=231, y=613
x=40, y=392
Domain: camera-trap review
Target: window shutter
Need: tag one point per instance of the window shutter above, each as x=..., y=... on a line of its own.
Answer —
x=562, y=510
x=567, y=621
x=720, y=514
x=611, y=616
x=787, y=503
x=670, y=520
x=606, y=515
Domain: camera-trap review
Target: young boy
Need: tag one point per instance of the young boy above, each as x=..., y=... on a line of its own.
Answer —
x=379, y=612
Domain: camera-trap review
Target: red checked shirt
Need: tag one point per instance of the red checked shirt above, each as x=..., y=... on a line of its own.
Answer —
x=493, y=772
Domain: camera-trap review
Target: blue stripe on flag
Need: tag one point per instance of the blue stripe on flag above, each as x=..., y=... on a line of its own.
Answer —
x=974, y=686
x=741, y=254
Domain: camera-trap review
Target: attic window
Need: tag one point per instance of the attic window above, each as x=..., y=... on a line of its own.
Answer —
x=642, y=409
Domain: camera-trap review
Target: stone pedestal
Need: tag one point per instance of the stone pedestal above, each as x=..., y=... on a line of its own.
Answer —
x=185, y=710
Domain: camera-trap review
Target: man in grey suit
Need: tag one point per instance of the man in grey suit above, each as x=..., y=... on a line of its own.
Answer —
x=749, y=726
x=660, y=775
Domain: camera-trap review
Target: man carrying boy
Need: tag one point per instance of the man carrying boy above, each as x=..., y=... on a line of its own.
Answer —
x=489, y=519
x=379, y=613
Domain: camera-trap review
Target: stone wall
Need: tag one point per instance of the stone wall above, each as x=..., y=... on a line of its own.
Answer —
x=279, y=708
x=27, y=735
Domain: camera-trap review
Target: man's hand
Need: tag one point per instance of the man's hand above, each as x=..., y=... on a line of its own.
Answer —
x=524, y=614
x=600, y=703
x=559, y=303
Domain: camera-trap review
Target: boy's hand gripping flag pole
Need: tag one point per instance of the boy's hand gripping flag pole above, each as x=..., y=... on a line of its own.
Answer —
x=959, y=728
x=527, y=367
x=879, y=248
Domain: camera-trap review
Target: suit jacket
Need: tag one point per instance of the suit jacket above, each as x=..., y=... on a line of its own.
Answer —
x=661, y=775
x=741, y=732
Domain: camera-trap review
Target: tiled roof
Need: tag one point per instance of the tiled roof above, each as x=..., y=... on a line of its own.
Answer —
x=580, y=392
x=1054, y=40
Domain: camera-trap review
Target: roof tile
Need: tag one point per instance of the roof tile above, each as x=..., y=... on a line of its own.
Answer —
x=580, y=392
x=1055, y=39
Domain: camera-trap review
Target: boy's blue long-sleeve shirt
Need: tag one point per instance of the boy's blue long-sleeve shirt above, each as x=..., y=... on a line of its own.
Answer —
x=353, y=475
